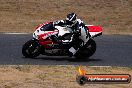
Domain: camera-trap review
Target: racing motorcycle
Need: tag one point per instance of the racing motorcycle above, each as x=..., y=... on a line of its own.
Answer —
x=58, y=46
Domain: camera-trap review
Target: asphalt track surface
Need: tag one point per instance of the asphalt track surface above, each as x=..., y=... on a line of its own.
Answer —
x=112, y=50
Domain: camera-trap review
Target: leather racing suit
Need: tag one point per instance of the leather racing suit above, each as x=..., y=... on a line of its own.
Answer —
x=79, y=30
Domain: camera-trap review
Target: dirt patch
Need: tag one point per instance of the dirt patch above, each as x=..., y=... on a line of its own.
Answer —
x=28, y=76
x=23, y=16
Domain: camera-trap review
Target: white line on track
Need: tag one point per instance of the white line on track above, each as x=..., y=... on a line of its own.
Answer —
x=15, y=33
x=84, y=65
x=100, y=66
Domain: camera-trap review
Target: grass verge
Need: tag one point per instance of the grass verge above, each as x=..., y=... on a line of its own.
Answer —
x=40, y=76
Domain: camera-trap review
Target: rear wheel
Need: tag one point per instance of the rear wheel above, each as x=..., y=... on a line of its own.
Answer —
x=31, y=49
x=87, y=51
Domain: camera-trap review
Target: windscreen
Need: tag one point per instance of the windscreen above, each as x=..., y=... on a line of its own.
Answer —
x=47, y=27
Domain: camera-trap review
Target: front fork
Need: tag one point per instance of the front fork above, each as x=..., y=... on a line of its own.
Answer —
x=42, y=49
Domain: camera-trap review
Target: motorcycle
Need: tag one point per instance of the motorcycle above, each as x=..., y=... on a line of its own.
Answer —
x=58, y=46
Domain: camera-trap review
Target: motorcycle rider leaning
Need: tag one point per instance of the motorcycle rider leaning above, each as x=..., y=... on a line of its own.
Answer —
x=79, y=31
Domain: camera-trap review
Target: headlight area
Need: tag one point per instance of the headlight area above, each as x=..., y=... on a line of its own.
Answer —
x=35, y=36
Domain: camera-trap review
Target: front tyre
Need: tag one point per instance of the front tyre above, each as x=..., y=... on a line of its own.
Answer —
x=31, y=49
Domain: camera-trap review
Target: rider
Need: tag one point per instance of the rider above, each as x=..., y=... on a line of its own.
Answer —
x=79, y=31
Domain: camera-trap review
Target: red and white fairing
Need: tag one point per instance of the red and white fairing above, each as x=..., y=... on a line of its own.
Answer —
x=94, y=30
x=38, y=34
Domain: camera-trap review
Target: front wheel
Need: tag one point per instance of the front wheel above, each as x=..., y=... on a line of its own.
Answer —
x=87, y=51
x=31, y=49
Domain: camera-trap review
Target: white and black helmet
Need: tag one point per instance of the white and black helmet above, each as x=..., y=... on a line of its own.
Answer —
x=71, y=19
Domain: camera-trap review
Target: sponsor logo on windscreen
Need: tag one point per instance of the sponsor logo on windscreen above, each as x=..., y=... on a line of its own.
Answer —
x=84, y=78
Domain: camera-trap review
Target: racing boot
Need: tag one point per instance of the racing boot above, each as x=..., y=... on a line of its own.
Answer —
x=72, y=51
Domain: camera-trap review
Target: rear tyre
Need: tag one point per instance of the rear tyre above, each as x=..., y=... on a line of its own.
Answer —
x=87, y=51
x=91, y=47
x=31, y=49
